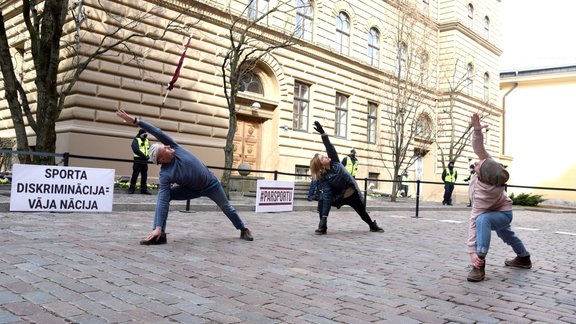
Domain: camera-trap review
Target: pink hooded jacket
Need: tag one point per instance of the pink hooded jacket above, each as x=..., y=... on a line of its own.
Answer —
x=484, y=197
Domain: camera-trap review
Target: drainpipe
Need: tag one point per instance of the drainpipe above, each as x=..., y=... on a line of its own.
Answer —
x=504, y=115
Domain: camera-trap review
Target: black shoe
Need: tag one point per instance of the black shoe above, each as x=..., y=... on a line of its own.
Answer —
x=309, y=198
x=246, y=235
x=145, y=192
x=375, y=228
x=322, y=226
x=468, y=205
x=130, y=191
x=155, y=241
x=519, y=262
x=443, y=203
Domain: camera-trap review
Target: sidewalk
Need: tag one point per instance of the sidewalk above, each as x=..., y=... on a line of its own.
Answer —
x=138, y=202
x=89, y=268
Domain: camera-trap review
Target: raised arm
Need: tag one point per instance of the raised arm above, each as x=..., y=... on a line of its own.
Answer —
x=151, y=129
x=330, y=150
x=478, y=138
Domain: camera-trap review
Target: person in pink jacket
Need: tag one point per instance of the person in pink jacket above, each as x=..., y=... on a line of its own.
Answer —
x=491, y=210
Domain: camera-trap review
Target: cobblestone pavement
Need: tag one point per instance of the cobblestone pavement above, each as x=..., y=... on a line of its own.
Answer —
x=89, y=268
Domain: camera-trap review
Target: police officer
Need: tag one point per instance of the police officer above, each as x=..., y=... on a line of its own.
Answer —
x=140, y=146
x=449, y=177
x=351, y=163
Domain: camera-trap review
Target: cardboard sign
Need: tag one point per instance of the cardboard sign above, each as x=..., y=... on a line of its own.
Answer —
x=274, y=196
x=61, y=189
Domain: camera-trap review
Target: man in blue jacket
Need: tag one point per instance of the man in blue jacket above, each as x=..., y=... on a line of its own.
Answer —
x=182, y=176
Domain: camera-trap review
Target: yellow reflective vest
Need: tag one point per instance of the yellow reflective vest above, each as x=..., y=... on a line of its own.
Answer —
x=450, y=176
x=143, y=146
x=352, y=167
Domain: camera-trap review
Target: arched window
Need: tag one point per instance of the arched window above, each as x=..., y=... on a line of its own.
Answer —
x=424, y=61
x=487, y=27
x=251, y=82
x=470, y=21
x=469, y=78
x=486, y=87
x=423, y=126
x=402, y=54
x=343, y=33
x=374, y=47
x=304, y=19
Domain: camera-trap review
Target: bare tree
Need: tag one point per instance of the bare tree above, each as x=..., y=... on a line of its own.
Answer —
x=56, y=33
x=453, y=133
x=251, y=38
x=408, y=111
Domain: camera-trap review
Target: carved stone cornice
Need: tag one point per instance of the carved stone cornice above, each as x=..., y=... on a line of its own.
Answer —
x=458, y=26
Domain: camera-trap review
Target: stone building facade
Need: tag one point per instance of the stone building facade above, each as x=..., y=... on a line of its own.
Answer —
x=339, y=71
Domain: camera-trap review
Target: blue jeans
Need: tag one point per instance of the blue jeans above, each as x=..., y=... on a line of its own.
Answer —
x=215, y=192
x=498, y=221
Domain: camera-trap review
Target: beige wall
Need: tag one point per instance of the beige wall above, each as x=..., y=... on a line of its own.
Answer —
x=195, y=112
x=539, y=131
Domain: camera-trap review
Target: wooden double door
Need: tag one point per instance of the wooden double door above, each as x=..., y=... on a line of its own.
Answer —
x=247, y=142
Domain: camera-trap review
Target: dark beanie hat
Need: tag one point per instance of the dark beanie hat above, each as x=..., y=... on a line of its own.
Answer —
x=141, y=131
x=492, y=172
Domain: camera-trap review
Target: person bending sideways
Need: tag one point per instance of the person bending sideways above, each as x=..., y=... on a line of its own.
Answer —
x=338, y=186
x=182, y=176
x=491, y=210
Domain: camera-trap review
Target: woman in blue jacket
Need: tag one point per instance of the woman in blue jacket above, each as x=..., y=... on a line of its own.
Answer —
x=338, y=186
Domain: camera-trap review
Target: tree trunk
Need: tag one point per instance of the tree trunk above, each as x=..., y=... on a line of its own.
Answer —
x=11, y=85
x=229, y=148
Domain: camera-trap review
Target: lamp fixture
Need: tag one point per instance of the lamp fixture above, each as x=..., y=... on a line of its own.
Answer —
x=255, y=106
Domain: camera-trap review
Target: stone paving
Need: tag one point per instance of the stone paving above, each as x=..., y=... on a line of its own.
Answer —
x=89, y=268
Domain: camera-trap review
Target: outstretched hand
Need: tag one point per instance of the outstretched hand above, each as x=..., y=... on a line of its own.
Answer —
x=124, y=116
x=318, y=127
x=475, y=121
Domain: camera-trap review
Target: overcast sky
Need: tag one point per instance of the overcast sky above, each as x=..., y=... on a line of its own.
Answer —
x=538, y=33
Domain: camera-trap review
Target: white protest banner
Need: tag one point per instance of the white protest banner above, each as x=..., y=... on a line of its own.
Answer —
x=61, y=189
x=274, y=196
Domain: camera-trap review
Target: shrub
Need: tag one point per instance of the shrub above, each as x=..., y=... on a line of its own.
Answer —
x=526, y=199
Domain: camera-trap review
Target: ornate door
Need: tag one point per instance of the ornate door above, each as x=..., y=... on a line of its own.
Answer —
x=246, y=139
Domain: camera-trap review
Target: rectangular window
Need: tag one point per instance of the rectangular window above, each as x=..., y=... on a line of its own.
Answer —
x=19, y=62
x=341, y=115
x=258, y=9
x=304, y=19
x=402, y=54
x=302, y=172
x=373, y=184
x=301, y=104
x=424, y=7
x=372, y=122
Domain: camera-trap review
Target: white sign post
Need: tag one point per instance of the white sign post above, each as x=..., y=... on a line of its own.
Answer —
x=274, y=196
x=61, y=189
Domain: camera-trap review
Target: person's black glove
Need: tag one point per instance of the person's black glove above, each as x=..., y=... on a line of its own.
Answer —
x=318, y=127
